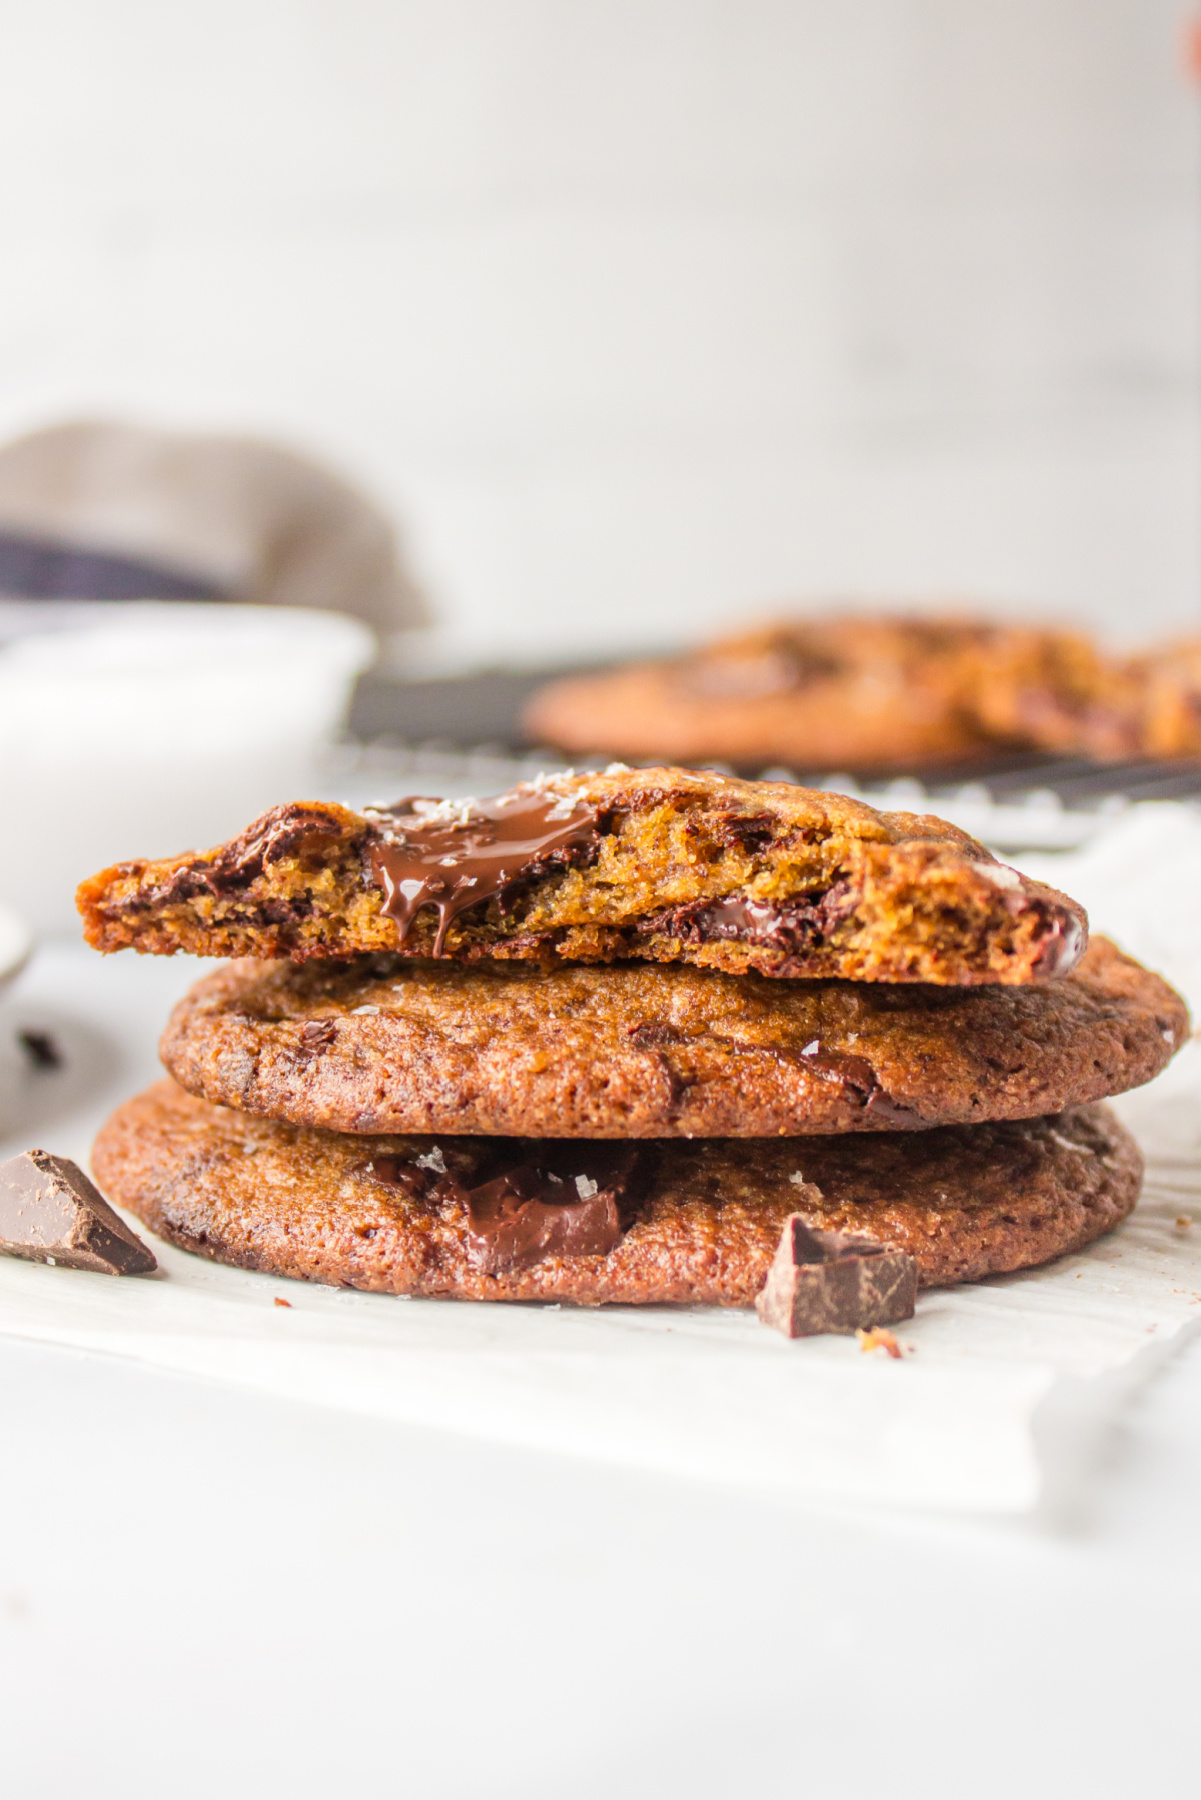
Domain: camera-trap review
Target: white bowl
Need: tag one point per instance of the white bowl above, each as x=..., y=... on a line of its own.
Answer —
x=159, y=728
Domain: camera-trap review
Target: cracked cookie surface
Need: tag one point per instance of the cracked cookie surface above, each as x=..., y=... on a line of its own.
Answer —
x=695, y=1221
x=651, y=1050
x=662, y=865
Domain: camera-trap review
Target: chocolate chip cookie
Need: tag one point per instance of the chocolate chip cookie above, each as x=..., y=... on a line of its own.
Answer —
x=663, y=865
x=678, y=1221
x=1171, y=685
x=1058, y=691
x=649, y=1050
x=814, y=694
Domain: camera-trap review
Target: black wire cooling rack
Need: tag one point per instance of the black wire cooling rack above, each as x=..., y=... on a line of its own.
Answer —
x=462, y=736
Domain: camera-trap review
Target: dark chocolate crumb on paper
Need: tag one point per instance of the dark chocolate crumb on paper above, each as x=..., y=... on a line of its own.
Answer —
x=41, y=1050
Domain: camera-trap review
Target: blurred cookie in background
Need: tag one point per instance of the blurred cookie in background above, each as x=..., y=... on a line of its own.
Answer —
x=1171, y=683
x=863, y=691
x=857, y=692
x=1057, y=691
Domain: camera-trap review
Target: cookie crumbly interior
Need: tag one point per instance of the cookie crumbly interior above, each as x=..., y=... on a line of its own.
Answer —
x=681, y=866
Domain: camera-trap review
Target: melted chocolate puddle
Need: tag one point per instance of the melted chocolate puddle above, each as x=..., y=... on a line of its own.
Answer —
x=563, y=1199
x=453, y=857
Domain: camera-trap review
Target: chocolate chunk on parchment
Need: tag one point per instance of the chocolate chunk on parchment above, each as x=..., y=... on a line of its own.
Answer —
x=823, y=1281
x=50, y=1212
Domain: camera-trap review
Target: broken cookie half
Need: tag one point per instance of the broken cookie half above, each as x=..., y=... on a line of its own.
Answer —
x=661, y=865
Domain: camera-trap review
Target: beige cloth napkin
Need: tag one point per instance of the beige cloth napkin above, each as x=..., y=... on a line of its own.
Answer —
x=97, y=502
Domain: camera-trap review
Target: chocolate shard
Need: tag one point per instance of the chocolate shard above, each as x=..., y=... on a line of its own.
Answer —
x=50, y=1212
x=822, y=1281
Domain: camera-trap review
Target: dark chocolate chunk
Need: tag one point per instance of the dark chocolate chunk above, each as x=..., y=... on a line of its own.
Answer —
x=1062, y=947
x=284, y=831
x=562, y=1198
x=403, y=1173
x=453, y=857
x=858, y=1081
x=793, y=925
x=314, y=1037
x=823, y=1281
x=50, y=1212
x=518, y=1219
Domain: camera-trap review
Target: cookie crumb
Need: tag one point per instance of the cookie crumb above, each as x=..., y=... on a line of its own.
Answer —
x=279, y=1301
x=1183, y=1222
x=879, y=1339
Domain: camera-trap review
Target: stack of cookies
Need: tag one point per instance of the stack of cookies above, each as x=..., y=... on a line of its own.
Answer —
x=604, y=1037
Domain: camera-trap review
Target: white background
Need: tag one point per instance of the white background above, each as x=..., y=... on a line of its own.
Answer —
x=206, y=1594
x=641, y=313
